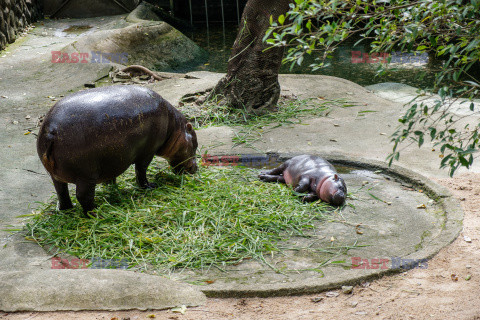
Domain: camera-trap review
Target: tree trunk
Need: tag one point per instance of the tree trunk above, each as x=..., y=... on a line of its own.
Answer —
x=251, y=82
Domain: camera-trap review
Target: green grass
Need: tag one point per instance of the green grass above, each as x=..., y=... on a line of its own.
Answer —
x=289, y=111
x=251, y=127
x=216, y=217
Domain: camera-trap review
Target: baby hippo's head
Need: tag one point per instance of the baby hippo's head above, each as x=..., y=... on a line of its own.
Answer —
x=333, y=190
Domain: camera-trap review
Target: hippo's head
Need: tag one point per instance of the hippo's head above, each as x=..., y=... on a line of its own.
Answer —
x=182, y=159
x=333, y=190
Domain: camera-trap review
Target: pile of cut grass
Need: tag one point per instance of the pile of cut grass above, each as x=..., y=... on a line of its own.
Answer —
x=289, y=111
x=216, y=217
x=250, y=126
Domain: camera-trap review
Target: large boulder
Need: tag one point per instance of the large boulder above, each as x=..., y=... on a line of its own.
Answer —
x=153, y=44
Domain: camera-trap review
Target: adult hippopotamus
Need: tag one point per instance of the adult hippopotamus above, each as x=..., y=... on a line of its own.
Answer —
x=311, y=174
x=93, y=136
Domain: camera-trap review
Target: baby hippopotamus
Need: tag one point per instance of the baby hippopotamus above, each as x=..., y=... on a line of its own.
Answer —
x=93, y=136
x=313, y=174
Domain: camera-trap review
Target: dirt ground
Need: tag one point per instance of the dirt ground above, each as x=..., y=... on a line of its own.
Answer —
x=448, y=289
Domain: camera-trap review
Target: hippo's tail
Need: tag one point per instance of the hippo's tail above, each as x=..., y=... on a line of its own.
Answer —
x=47, y=155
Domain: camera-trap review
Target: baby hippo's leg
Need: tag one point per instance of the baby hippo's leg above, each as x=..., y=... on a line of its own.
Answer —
x=274, y=175
x=303, y=185
x=312, y=196
x=271, y=178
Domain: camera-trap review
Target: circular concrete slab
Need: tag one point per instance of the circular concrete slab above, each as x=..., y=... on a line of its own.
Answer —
x=394, y=220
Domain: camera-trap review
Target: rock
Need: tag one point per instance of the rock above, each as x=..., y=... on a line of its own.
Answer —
x=11, y=18
x=317, y=299
x=154, y=45
x=3, y=41
x=332, y=294
x=28, y=15
x=11, y=35
x=353, y=304
x=2, y=21
x=347, y=289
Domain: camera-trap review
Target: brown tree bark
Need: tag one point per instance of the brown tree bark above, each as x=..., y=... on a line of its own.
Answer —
x=251, y=82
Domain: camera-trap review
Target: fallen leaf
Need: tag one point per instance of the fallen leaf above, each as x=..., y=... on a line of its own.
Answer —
x=317, y=299
x=421, y=206
x=181, y=309
x=454, y=277
x=4, y=97
x=209, y=281
x=27, y=133
x=332, y=294
x=467, y=239
x=357, y=229
x=332, y=239
x=151, y=316
x=468, y=277
x=333, y=140
x=27, y=117
x=336, y=125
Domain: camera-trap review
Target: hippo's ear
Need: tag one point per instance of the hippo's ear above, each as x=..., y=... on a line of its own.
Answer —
x=189, y=127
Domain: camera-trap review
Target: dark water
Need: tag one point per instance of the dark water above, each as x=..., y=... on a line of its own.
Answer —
x=348, y=62
x=256, y=161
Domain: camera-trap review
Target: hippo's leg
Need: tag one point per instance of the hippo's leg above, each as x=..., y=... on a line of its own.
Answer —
x=141, y=173
x=312, y=196
x=64, y=201
x=278, y=170
x=303, y=184
x=271, y=178
x=85, y=192
x=274, y=175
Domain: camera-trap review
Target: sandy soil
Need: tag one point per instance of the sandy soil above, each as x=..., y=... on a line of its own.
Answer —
x=441, y=291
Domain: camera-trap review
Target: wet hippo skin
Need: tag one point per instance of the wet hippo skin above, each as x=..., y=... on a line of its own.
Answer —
x=93, y=136
x=312, y=174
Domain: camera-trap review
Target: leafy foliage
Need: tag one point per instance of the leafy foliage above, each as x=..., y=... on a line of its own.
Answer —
x=448, y=30
x=217, y=217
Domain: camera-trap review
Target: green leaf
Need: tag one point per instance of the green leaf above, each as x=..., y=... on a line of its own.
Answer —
x=309, y=25
x=281, y=19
